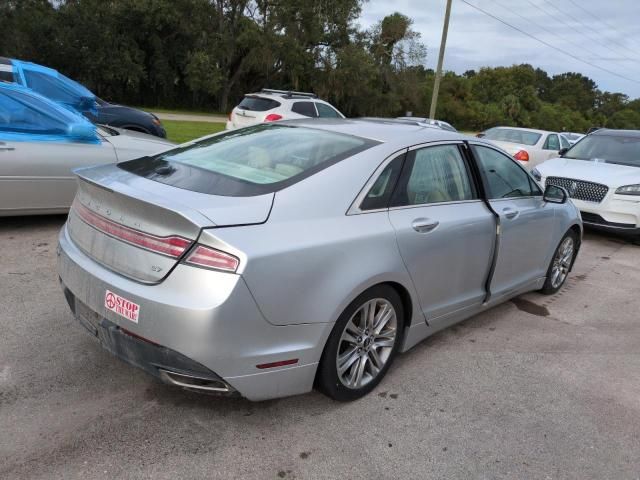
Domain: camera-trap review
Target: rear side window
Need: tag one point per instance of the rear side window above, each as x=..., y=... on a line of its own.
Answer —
x=503, y=177
x=325, y=111
x=304, y=108
x=380, y=193
x=252, y=161
x=552, y=143
x=48, y=86
x=258, y=104
x=434, y=175
x=564, y=143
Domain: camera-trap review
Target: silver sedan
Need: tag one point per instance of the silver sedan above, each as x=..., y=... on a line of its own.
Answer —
x=272, y=259
x=41, y=143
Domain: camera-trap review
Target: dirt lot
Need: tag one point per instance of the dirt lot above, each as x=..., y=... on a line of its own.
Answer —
x=541, y=387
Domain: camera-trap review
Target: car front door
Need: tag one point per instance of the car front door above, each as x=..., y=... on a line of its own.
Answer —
x=36, y=176
x=526, y=221
x=551, y=146
x=445, y=232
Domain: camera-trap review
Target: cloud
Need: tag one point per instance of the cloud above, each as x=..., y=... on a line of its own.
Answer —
x=598, y=32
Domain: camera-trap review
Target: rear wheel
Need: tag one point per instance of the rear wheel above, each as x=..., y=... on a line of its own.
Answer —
x=560, y=264
x=362, y=345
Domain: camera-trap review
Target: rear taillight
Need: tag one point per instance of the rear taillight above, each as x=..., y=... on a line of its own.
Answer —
x=272, y=117
x=172, y=246
x=521, y=155
x=207, y=257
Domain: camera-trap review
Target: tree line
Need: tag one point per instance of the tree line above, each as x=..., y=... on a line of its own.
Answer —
x=206, y=54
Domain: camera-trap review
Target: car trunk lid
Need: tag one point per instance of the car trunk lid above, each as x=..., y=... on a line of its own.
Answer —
x=141, y=228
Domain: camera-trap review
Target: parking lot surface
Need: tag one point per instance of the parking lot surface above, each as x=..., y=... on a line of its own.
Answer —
x=540, y=387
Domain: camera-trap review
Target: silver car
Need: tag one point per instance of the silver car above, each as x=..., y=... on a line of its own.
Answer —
x=266, y=260
x=41, y=143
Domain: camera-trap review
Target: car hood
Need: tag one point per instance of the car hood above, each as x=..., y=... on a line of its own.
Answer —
x=129, y=144
x=609, y=174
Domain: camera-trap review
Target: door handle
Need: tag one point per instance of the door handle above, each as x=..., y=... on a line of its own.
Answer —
x=424, y=225
x=6, y=149
x=510, y=212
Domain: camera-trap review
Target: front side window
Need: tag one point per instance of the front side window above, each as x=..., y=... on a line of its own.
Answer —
x=552, y=143
x=564, y=143
x=325, y=111
x=434, y=175
x=503, y=177
x=251, y=161
x=304, y=108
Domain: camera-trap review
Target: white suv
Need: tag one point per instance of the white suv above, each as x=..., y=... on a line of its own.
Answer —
x=273, y=105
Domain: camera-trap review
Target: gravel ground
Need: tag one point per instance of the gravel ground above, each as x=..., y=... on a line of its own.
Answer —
x=540, y=387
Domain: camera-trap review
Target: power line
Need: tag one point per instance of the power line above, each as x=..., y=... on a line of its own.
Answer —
x=588, y=27
x=528, y=20
x=564, y=22
x=569, y=54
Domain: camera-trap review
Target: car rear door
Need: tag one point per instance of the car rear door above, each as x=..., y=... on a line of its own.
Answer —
x=445, y=232
x=527, y=224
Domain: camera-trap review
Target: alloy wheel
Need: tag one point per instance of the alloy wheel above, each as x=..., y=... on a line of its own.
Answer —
x=366, y=343
x=562, y=262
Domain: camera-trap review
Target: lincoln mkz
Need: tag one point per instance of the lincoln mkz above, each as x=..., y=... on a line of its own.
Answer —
x=267, y=260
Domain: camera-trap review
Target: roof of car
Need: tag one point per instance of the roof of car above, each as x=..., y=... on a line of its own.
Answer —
x=523, y=129
x=616, y=133
x=382, y=130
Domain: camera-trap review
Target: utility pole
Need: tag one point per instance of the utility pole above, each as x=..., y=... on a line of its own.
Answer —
x=436, y=84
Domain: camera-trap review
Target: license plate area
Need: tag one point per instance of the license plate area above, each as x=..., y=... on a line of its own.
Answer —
x=87, y=318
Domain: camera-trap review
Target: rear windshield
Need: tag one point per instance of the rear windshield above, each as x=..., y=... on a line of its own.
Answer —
x=617, y=149
x=251, y=161
x=511, y=135
x=258, y=104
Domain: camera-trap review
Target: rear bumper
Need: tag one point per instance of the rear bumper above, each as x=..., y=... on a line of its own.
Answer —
x=196, y=322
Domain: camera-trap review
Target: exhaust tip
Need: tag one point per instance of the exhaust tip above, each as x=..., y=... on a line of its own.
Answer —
x=194, y=383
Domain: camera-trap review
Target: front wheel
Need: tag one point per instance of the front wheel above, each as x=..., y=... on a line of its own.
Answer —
x=362, y=345
x=560, y=264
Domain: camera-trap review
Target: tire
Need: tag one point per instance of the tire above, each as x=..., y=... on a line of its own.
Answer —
x=365, y=356
x=561, y=263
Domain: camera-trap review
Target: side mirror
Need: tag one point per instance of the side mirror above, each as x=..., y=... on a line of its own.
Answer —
x=555, y=194
x=562, y=151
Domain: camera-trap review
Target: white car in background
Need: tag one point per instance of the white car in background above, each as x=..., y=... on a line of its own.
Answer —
x=530, y=147
x=602, y=175
x=431, y=121
x=273, y=105
x=573, y=137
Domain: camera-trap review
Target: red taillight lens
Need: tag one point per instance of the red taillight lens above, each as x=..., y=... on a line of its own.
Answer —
x=521, y=155
x=172, y=246
x=272, y=117
x=211, y=258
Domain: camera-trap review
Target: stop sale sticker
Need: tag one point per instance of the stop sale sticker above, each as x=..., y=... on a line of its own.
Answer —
x=120, y=305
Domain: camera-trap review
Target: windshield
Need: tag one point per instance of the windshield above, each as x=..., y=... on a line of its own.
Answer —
x=249, y=161
x=512, y=135
x=623, y=150
x=573, y=136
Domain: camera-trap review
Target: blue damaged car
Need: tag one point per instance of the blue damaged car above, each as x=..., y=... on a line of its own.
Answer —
x=52, y=84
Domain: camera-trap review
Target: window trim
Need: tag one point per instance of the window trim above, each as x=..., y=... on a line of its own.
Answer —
x=485, y=189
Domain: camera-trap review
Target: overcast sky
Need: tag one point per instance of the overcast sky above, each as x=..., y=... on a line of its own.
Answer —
x=476, y=40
